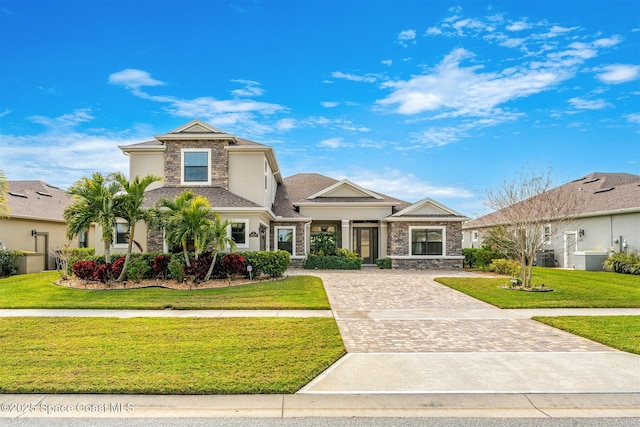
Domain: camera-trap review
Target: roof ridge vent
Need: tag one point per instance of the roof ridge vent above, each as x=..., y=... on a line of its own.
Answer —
x=42, y=193
x=13, y=193
x=592, y=180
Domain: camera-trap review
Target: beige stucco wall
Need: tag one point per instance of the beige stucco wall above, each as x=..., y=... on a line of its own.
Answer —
x=334, y=213
x=142, y=164
x=15, y=233
x=246, y=177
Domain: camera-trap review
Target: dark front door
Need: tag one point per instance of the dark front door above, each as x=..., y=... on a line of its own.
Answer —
x=366, y=244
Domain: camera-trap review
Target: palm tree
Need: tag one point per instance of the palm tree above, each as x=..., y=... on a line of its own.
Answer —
x=129, y=207
x=172, y=220
x=220, y=240
x=188, y=217
x=93, y=201
x=4, y=189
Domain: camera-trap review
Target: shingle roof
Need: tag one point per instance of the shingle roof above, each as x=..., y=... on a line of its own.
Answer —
x=601, y=192
x=218, y=197
x=37, y=200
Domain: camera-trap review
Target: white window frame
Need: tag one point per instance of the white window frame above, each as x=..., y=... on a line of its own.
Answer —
x=244, y=245
x=428, y=227
x=195, y=150
x=285, y=227
x=115, y=235
x=474, y=235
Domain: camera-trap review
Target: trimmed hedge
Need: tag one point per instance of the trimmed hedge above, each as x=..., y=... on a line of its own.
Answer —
x=345, y=260
x=9, y=262
x=625, y=263
x=480, y=258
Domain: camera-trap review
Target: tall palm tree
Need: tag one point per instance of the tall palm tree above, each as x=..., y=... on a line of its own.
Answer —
x=188, y=217
x=171, y=213
x=220, y=240
x=4, y=189
x=129, y=207
x=93, y=201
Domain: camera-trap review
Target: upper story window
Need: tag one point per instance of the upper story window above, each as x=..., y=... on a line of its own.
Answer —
x=196, y=168
x=427, y=240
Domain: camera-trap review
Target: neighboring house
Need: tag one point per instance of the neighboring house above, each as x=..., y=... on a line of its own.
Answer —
x=243, y=182
x=36, y=222
x=607, y=220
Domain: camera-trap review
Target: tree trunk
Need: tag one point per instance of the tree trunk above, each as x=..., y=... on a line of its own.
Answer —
x=107, y=252
x=213, y=263
x=128, y=255
x=185, y=252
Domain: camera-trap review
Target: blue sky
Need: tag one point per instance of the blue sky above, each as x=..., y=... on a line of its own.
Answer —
x=415, y=99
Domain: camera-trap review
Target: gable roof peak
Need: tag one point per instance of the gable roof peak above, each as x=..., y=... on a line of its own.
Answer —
x=198, y=130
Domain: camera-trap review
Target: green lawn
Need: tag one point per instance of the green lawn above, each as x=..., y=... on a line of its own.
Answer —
x=621, y=332
x=164, y=356
x=38, y=291
x=571, y=288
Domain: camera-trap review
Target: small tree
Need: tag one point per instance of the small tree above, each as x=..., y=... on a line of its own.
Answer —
x=93, y=201
x=129, y=207
x=528, y=213
x=174, y=221
x=220, y=239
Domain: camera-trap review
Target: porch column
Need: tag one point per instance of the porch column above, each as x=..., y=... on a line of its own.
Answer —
x=307, y=238
x=382, y=248
x=346, y=235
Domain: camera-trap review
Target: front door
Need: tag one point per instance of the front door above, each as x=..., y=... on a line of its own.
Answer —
x=366, y=244
x=570, y=246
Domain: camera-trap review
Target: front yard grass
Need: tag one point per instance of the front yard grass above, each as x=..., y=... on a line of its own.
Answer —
x=164, y=356
x=571, y=289
x=38, y=291
x=621, y=332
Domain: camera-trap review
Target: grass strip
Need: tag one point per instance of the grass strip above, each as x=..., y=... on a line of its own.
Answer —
x=621, y=332
x=571, y=289
x=164, y=356
x=38, y=291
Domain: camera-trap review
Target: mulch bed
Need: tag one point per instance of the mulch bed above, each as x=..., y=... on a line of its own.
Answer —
x=74, y=282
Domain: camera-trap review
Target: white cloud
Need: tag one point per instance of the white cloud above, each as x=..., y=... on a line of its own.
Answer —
x=618, y=73
x=466, y=91
x=405, y=186
x=386, y=62
x=367, y=78
x=5, y=112
x=633, y=118
x=519, y=26
x=133, y=79
x=286, y=124
x=407, y=35
x=250, y=89
x=588, y=104
x=329, y=104
x=78, y=153
x=608, y=41
x=331, y=143
x=433, y=31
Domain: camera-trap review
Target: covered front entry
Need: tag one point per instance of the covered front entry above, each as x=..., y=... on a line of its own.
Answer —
x=365, y=241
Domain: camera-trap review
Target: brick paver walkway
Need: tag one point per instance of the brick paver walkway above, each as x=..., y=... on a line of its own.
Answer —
x=382, y=311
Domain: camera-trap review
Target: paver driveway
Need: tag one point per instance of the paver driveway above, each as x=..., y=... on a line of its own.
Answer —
x=404, y=332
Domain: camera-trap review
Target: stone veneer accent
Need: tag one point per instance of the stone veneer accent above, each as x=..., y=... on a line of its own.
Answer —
x=398, y=245
x=219, y=161
x=154, y=241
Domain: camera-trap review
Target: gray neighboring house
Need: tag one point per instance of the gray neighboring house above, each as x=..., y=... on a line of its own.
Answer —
x=243, y=183
x=36, y=223
x=608, y=221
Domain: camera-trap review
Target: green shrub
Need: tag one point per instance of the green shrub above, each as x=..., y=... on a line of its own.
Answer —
x=344, y=260
x=480, y=258
x=271, y=263
x=505, y=266
x=78, y=254
x=383, y=263
x=625, y=263
x=324, y=243
x=9, y=262
x=138, y=269
x=176, y=268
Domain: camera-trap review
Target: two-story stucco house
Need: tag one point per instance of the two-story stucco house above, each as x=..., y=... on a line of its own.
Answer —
x=243, y=182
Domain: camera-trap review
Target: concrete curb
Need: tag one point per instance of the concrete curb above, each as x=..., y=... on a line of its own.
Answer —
x=335, y=405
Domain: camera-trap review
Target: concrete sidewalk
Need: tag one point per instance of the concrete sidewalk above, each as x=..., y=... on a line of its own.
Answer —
x=334, y=405
x=160, y=313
